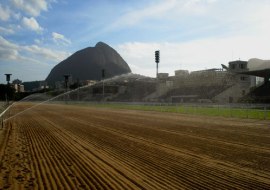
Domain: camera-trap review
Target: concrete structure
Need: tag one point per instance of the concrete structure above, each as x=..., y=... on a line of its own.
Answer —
x=258, y=67
x=162, y=75
x=252, y=67
x=211, y=85
x=19, y=87
x=43, y=85
x=181, y=73
x=200, y=78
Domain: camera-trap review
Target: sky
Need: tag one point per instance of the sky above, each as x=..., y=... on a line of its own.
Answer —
x=35, y=35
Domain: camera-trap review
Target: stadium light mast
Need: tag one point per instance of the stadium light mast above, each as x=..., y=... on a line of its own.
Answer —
x=157, y=55
x=66, y=77
x=103, y=77
x=7, y=79
x=66, y=81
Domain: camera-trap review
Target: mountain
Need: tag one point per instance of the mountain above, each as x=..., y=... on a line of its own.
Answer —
x=87, y=64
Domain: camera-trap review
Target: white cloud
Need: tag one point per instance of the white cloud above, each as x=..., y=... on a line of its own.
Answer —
x=173, y=9
x=6, y=31
x=4, y=13
x=193, y=55
x=29, y=62
x=196, y=17
x=46, y=53
x=7, y=44
x=17, y=16
x=8, y=50
x=31, y=24
x=37, y=41
x=11, y=51
x=229, y=31
x=60, y=39
x=31, y=7
x=134, y=17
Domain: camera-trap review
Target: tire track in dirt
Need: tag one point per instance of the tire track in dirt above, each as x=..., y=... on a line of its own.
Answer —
x=79, y=139
x=47, y=176
x=151, y=174
x=97, y=182
x=184, y=133
x=231, y=146
x=217, y=129
x=226, y=168
x=99, y=149
x=124, y=134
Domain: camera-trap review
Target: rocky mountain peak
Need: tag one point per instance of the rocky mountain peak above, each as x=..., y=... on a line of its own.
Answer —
x=86, y=64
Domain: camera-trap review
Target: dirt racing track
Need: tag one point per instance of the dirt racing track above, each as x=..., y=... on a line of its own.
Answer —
x=73, y=147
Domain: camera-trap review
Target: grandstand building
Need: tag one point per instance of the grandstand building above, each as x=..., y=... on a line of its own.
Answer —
x=231, y=84
x=211, y=85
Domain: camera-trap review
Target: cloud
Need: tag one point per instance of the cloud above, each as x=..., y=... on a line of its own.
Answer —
x=37, y=41
x=193, y=55
x=17, y=16
x=4, y=13
x=60, y=39
x=31, y=7
x=7, y=44
x=134, y=17
x=172, y=9
x=31, y=24
x=46, y=53
x=182, y=19
x=28, y=62
x=10, y=51
x=6, y=31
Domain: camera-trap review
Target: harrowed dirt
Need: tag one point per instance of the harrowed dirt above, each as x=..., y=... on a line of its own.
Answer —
x=73, y=147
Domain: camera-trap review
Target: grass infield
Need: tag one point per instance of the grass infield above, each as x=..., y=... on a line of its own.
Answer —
x=250, y=113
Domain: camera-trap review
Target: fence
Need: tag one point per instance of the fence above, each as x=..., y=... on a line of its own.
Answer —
x=251, y=111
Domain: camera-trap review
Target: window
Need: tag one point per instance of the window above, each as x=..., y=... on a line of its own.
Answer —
x=243, y=78
x=242, y=66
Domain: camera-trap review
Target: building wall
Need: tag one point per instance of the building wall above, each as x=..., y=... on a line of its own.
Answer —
x=163, y=75
x=203, y=78
x=179, y=73
x=232, y=94
x=19, y=87
x=235, y=85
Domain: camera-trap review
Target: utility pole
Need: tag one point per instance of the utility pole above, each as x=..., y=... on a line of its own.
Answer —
x=7, y=79
x=66, y=85
x=78, y=89
x=103, y=77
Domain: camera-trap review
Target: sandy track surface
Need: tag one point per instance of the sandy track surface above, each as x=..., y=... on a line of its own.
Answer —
x=69, y=147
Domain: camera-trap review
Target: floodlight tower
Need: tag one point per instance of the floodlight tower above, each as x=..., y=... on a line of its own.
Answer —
x=7, y=79
x=66, y=81
x=66, y=85
x=103, y=77
x=157, y=59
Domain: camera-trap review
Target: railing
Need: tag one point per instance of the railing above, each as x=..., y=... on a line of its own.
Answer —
x=2, y=116
x=248, y=111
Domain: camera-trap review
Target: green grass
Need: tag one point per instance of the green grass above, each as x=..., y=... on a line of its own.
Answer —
x=196, y=110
